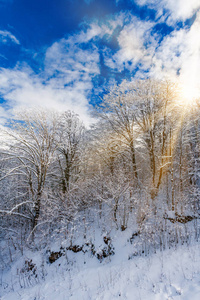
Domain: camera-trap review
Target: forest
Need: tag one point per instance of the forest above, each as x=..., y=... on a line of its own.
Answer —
x=137, y=167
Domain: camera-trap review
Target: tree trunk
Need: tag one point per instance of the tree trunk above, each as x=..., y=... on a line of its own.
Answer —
x=37, y=210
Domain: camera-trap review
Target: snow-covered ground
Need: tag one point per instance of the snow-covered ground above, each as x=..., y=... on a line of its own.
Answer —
x=170, y=274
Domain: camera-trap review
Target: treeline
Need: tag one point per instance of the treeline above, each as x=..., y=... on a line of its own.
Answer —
x=139, y=163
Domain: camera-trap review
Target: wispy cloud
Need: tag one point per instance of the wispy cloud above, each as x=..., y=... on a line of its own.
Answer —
x=72, y=64
x=7, y=36
x=66, y=81
x=177, y=54
x=136, y=45
x=173, y=10
x=22, y=88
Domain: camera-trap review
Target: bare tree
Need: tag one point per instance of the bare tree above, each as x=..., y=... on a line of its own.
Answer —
x=32, y=149
x=70, y=140
x=117, y=110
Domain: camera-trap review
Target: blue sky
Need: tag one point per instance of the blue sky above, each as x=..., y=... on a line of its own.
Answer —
x=64, y=54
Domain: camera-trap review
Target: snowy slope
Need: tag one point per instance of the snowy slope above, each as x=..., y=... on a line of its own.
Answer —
x=171, y=274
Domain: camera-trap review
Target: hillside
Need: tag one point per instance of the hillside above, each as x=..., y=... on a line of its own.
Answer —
x=168, y=274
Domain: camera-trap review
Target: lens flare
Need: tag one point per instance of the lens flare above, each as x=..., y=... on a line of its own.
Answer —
x=188, y=94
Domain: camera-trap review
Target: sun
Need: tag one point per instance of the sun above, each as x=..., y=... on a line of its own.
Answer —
x=188, y=94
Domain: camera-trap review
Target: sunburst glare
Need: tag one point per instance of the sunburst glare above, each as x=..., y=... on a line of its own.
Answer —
x=189, y=94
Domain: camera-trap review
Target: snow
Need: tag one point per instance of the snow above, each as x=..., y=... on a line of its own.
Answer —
x=168, y=274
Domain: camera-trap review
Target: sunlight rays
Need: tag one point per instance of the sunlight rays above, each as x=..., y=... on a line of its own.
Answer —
x=182, y=108
x=189, y=94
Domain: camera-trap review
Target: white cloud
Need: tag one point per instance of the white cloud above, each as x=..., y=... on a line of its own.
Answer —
x=3, y=115
x=7, y=36
x=177, y=56
x=72, y=63
x=23, y=89
x=177, y=9
x=180, y=51
x=66, y=81
x=132, y=42
x=97, y=30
